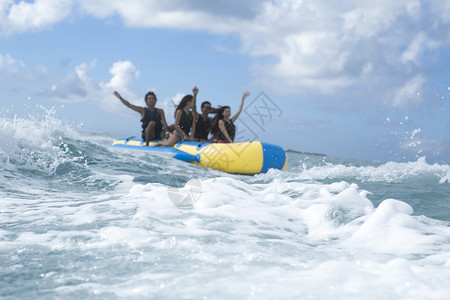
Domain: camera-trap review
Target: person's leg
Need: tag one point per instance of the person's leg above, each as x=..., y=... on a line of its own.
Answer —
x=173, y=139
x=150, y=132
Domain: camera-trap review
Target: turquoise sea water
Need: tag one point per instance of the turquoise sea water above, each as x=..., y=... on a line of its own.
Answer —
x=79, y=219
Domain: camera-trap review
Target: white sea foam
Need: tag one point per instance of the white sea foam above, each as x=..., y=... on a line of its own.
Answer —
x=266, y=240
x=389, y=172
x=35, y=142
x=115, y=228
x=338, y=210
x=392, y=229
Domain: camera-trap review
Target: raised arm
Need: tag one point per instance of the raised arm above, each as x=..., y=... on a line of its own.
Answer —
x=234, y=118
x=194, y=113
x=194, y=107
x=136, y=108
x=194, y=122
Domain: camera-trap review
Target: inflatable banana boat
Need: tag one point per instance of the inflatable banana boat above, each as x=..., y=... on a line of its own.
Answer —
x=237, y=158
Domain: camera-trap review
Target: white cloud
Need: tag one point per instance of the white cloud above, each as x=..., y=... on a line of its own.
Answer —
x=9, y=65
x=215, y=16
x=299, y=46
x=408, y=95
x=14, y=71
x=25, y=16
x=77, y=86
x=315, y=46
x=326, y=49
x=125, y=75
x=417, y=47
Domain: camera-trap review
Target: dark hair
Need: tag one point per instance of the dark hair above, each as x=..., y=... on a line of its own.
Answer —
x=204, y=103
x=215, y=122
x=184, y=101
x=150, y=93
x=219, y=115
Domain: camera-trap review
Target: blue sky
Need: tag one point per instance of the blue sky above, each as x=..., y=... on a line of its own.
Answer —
x=356, y=79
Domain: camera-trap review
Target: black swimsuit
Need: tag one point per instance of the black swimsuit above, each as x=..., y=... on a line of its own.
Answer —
x=202, y=128
x=152, y=116
x=185, y=122
x=231, y=130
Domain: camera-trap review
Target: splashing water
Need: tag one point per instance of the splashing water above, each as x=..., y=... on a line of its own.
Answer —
x=81, y=219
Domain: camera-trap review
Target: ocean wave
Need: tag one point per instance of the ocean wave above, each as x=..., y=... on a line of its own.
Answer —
x=38, y=143
x=228, y=209
x=392, y=172
x=112, y=223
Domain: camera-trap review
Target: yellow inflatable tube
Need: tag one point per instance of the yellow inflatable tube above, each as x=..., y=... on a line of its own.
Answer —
x=240, y=158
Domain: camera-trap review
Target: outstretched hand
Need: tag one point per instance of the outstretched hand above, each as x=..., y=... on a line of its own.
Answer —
x=195, y=91
x=246, y=94
x=117, y=95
